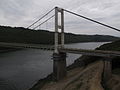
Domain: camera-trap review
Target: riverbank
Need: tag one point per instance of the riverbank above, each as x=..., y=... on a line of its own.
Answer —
x=72, y=70
x=85, y=65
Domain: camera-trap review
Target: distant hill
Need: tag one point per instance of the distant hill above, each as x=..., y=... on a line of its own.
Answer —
x=23, y=35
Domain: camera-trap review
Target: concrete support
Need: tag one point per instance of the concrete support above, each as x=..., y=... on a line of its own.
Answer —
x=107, y=69
x=59, y=66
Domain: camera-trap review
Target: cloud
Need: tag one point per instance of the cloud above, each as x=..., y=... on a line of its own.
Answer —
x=23, y=12
x=13, y=11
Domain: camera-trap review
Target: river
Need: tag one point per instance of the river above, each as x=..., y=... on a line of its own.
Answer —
x=19, y=70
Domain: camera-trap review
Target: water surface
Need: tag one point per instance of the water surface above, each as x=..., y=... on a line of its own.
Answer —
x=19, y=70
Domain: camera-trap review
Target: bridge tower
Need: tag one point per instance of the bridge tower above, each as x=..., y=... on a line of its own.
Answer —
x=59, y=58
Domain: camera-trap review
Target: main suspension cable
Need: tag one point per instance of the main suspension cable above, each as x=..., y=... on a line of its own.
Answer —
x=92, y=20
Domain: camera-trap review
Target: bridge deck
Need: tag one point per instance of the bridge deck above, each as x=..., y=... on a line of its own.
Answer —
x=91, y=52
x=100, y=53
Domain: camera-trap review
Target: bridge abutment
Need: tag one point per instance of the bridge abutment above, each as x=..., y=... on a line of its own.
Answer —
x=107, y=73
x=59, y=66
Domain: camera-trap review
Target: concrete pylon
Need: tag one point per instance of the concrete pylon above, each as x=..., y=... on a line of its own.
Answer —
x=59, y=66
x=61, y=27
x=59, y=58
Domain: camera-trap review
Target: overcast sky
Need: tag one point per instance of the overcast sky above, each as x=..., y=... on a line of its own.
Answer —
x=21, y=13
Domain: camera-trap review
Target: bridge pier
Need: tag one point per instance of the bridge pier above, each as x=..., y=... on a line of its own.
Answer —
x=107, y=73
x=59, y=66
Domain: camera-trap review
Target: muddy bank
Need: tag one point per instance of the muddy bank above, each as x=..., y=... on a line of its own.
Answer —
x=79, y=77
x=84, y=74
x=81, y=62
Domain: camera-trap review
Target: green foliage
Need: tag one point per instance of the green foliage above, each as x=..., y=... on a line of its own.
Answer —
x=114, y=46
x=23, y=35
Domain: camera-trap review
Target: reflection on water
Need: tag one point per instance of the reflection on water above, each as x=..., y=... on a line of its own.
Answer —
x=24, y=68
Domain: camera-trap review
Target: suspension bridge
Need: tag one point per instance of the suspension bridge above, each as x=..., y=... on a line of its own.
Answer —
x=59, y=49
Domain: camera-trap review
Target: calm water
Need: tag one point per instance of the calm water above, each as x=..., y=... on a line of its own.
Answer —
x=19, y=70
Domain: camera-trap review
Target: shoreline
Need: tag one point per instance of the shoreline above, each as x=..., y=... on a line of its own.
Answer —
x=85, y=61
x=82, y=61
x=79, y=62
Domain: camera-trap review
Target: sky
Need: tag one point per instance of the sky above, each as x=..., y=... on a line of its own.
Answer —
x=22, y=13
